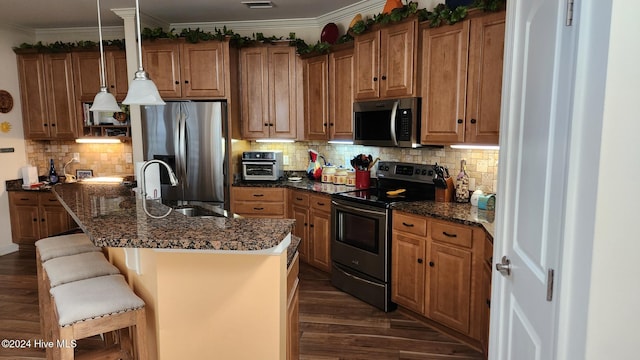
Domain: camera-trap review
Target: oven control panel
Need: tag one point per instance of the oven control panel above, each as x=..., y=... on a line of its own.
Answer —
x=405, y=171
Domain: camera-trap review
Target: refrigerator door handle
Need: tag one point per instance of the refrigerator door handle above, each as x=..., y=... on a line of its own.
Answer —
x=183, y=148
x=177, y=136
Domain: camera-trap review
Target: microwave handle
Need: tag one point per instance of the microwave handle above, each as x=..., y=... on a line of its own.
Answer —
x=394, y=110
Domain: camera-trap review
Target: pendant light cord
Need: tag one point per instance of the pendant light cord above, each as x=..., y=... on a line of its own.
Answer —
x=103, y=81
x=140, y=68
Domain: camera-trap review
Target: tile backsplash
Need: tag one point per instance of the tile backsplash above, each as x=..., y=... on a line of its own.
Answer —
x=482, y=165
x=103, y=159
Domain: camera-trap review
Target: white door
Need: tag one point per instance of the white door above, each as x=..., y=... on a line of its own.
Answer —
x=533, y=136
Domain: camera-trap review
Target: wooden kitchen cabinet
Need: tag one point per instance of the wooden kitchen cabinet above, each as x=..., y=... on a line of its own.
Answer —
x=36, y=215
x=86, y=74
x=299, y=211
x=185, y=70
x=328, y=90
x=320, y=232
x=268, y=87
x=485, y=301
x=259, y=202
x=293, y=309
x=47, y=96
x=461, y=80
x=385, y=62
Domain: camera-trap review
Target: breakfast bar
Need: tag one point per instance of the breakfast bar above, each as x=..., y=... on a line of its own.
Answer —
x=200, y=277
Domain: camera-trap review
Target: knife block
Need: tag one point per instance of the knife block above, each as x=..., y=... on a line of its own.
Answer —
x=445, y=194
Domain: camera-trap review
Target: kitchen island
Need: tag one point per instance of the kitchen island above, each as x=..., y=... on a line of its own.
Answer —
x=214, y=286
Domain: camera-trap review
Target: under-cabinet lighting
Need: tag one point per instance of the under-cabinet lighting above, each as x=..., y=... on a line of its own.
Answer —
x=103, y=180
x=258, y=4
x=275, y=140
x=98, y=140
x=341, y=142
x=475, y=147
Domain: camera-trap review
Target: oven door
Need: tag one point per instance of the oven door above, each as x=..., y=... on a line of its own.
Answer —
x=360, y=238
x=259, y=170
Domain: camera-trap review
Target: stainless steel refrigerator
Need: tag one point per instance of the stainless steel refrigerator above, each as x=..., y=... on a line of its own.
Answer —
x=191, y=137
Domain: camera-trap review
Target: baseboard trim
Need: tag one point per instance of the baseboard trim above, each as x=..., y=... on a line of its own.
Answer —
x=8, y=249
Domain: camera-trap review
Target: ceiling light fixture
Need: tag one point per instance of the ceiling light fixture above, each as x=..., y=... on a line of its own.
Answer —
x=104, y=101
x=257, y=4
x=142, y=91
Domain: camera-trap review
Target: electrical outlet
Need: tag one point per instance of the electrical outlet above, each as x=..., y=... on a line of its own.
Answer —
x=129, y=158
x=285, y=160
x=76, y=157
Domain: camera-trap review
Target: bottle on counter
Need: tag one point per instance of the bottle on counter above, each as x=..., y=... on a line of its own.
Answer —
x=53, y=176
x=462, y=183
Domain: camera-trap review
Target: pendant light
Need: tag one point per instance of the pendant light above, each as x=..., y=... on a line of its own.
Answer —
x=142, y=91
x=104, y=101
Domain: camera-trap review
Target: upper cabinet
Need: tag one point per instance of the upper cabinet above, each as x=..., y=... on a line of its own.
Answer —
x=268, y=87
x=86, y=74
x=328, y=96
x=47, y=96
x=461, y=80
x=385, y=62
x=185, y=70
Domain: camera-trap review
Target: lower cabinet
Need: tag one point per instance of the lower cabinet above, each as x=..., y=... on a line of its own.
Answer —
x=312, y=213
x=36, y=215
x=259, y=202
x=437, y=271
x=299, y=211
x=293, y=310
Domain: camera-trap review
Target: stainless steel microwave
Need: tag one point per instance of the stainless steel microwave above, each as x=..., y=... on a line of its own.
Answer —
x=390, y=122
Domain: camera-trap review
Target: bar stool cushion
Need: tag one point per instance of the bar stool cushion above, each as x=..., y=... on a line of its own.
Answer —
x=64, y=245
x=65, y=269
x=91, y=298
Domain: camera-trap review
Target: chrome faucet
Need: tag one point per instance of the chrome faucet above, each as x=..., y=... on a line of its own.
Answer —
x=172, y=178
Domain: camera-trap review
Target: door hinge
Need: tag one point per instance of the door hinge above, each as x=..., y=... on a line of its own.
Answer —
x=550, y=274
x=569, y=19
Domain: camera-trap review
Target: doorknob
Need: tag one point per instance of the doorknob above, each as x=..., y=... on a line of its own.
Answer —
x=504, y=266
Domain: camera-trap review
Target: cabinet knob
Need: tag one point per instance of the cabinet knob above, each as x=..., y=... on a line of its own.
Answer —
x=324, y=124
x=35, y=220
x=46, y=124
x=266, y=124
x=54, y=124
x=310, y=225
x=460, y=121
x=431, y=264
x=473, y=121
x=42, y=220
x=384, y=77
x=305, y=224
x=270, y=124
x=419, y=261
x=113, y=86
x=375, y=78
x=186, y=81
x=177, y=82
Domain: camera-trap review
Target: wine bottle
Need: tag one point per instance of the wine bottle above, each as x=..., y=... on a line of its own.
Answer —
x=462, y=183
x=53, y=176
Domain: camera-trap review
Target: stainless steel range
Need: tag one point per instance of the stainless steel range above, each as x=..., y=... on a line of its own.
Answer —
x=361, y=236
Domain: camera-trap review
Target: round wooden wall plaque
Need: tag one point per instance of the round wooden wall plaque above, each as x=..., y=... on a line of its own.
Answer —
x=6, y=102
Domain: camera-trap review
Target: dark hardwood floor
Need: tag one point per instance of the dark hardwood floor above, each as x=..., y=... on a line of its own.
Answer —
x=333, y=325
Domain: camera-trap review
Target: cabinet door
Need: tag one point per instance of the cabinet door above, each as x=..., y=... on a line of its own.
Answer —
x=397, y=68
x=282, y=92
x=341, y=78
x=86, y=74
x=315, y=97
x=254, y=92
x=367, y=61
x=54, y=219
x=408, y=271
x=32, y=96
x=444, y=76
x=320, y=243
x=301, y=230
x=450, y=286
x=486, y=308
x=162, y=61
x=484, y=84
x=203, y=69
x=117, y=76
x=61, y=104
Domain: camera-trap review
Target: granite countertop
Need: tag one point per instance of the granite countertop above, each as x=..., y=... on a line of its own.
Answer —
x=112, y=216
x=463, y=213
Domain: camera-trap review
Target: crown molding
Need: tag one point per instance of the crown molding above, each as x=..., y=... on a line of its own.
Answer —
x=252, y=25
x=20, y=29
x=364, y=7
x=145, y=20
x=85, y=33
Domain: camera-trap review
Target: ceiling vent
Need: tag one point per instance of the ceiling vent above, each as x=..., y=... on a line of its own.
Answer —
x=258, y=4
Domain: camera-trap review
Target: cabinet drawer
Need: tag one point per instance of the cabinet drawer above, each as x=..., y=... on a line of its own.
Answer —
x=300, y=198
x=259, y=194
x=263, y=209
x=23, y=198
x=49, y=199
x=450, y=233
x=322, y=203
x=412, y=224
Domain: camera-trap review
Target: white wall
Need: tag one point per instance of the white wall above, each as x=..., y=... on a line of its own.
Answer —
x=10, y=163
x=615, y=278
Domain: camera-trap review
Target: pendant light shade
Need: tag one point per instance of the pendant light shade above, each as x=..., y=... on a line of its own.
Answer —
x=103, y=101
x=142, y=91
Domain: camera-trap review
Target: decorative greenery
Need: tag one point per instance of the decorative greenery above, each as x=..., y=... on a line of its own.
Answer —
x=440, y=15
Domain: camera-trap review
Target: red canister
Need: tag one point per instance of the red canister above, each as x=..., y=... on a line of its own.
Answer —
x=363, y=179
